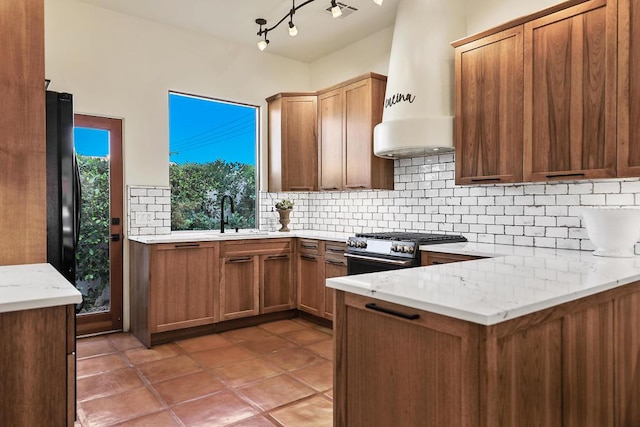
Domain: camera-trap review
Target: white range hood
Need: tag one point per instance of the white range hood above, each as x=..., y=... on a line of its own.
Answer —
x=418, y=111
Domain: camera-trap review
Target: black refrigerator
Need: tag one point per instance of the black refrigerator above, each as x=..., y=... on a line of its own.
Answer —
x=63, y=186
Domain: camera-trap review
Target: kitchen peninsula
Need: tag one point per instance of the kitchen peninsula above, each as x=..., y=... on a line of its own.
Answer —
x=527, y=336
x=37, y=352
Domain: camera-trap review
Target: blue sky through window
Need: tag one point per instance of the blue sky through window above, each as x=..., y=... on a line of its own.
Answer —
x=203, y=130
x=91, y=142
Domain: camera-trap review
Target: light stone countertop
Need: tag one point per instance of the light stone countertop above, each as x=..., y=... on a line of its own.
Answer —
x=216, y=236
x=514, y=282
x=29, y=286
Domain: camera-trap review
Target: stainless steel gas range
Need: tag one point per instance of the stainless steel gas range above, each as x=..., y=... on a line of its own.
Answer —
x=371, y=252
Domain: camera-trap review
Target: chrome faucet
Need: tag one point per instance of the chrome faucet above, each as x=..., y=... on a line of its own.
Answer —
x=222, y=220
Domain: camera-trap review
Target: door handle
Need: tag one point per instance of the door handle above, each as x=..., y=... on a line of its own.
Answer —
x=114, y=237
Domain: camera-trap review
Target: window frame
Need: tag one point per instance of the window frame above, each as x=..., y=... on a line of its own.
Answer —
x=257, y=148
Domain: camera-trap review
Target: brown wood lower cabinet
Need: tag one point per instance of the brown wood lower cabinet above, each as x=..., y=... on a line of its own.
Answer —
x=435, y=258
x=255, y=277
x=335, y=265
x=37, y=361
x=317, y=261
x=575, y=364
x=172, y=287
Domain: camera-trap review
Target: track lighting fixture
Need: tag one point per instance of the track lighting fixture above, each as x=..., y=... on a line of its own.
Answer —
x=262, y=44
x=336, y=11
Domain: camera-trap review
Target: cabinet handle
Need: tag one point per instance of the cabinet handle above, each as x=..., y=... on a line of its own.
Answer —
x=355, y=187
x=436, y=262
x=332, y=262
x=301, y=188
x=329, y=188
x=485, y=179
x=187, y=245
x=315, y=247
x=563, y=175
x=278, y=256
x=335, y=250
x=311, y=257
x=238, y=260
x=375, y=307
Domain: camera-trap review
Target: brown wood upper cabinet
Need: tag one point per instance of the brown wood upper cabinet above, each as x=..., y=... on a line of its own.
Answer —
x=489, y=104
x=628, y=88
x=293, y=142
x=324, y=140
x=570, y=93
x=536, y=97
x=347, y=114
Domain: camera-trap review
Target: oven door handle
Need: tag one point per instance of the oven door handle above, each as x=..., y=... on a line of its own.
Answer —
x=379, y=260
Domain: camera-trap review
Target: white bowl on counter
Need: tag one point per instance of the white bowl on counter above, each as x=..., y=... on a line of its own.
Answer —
x=612, y=230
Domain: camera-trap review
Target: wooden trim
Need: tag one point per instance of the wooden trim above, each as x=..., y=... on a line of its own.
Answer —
x=101, y=322
x=357, y=79
x=288, y=95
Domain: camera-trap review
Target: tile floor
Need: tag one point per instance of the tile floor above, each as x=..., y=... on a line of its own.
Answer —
x=276, y=374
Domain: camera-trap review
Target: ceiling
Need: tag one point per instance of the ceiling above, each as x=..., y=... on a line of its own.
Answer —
x=234, y=20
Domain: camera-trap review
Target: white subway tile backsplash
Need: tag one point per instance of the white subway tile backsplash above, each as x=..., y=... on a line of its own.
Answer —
x=425, y=198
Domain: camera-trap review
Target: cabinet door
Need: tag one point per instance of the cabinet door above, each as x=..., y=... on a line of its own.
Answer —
x=182, y=286
x=333, y=267
x=570, y=90
x=276, y=291
x=239, y=287
x=299, y=143
x=489, y=104
x=399, y=372
x=330, y=140
x=628, y=88
x=358, y=132
x=309, y=291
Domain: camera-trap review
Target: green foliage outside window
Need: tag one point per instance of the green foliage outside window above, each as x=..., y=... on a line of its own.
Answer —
x=196, y=190
x=92, y=253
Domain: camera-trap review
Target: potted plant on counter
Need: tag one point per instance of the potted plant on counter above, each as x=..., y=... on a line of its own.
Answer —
x=284, y=208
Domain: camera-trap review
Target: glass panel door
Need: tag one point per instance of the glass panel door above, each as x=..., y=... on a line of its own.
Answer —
x=98, y=148
x=92, y=252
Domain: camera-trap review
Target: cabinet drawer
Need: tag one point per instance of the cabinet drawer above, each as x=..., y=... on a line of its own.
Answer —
x=184, y=245
x=335, y=248
x=309, y=246
x=254, y=247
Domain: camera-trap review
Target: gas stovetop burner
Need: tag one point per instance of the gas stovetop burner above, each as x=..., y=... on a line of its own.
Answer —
x=420, y=238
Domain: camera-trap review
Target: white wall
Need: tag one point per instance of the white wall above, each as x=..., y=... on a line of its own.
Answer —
x=121, y=66
x=369, y=54
x=485, y=14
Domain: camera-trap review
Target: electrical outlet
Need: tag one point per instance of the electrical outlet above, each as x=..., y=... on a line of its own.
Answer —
x=144, y=218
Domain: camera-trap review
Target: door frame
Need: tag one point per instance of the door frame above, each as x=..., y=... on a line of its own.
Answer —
x=111, y=320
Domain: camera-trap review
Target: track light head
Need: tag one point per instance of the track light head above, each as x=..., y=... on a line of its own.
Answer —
x=293, y=30
x=262, y=44
x=336, y=12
